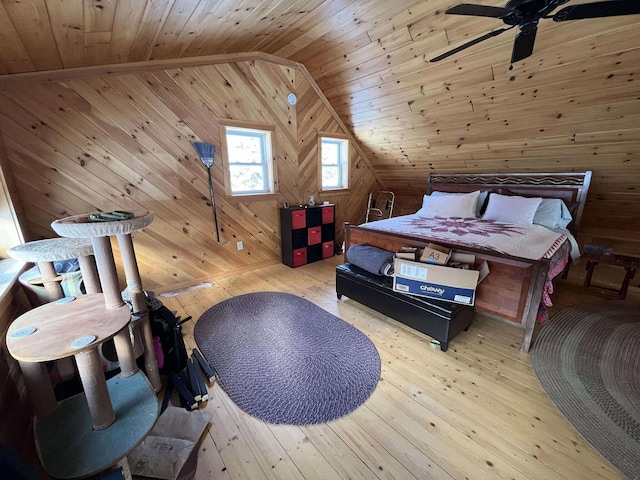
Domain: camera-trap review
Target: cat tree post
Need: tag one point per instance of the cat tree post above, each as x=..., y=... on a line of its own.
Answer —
x=113, y=299
x=89, y=274
x=140, y=311
x=52, y=288
x=95, y=389
x=39, y=389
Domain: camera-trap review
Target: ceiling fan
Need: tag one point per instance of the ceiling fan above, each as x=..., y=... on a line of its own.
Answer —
x=525, y=15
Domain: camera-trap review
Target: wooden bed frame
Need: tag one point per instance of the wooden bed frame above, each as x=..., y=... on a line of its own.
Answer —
x=513, y=290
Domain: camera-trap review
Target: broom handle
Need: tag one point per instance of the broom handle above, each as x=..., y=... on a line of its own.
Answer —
x=213, y=205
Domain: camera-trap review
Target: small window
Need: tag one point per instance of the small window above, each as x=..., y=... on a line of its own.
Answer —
x=10, y=232
x=249, y=161
x=334, y=163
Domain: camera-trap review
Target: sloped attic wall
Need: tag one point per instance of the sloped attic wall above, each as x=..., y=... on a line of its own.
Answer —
x=124, y=142
x=313, y=117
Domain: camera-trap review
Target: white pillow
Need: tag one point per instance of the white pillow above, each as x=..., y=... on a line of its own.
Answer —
x=482, y=196
x=552, y=213
x=565, y=217
x=460, y=206
x=511, y=209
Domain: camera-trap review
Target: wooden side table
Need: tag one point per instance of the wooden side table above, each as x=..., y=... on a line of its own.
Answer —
x=629, y=263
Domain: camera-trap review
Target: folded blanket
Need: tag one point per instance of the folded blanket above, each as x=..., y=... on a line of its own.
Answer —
x=372, y=259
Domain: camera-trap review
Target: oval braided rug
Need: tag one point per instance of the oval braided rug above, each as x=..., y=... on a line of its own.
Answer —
x=285, y=360
x=588, y=361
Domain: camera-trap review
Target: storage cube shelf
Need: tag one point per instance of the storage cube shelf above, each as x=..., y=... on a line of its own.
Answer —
x=308, y=234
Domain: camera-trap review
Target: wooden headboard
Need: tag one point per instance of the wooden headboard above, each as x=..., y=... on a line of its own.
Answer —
x=571, y=187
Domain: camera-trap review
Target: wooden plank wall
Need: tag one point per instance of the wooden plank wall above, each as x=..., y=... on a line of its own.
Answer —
x=124, y=142
x=313, y=117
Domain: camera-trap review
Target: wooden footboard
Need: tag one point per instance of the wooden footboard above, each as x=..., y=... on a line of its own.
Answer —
x=511, y=292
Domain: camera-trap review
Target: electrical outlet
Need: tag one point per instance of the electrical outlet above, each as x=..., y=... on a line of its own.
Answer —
x=240, y=245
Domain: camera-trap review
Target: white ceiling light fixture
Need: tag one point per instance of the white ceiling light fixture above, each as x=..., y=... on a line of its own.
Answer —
x=292, y=99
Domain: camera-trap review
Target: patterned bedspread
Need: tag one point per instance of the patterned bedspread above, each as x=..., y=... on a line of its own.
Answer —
x=532, y=242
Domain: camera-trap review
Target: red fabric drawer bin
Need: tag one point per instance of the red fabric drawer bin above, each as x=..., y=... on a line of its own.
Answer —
x=298, y=219
x=299, y=257
x=327, y=214
x=327, y=249
x=314, y=235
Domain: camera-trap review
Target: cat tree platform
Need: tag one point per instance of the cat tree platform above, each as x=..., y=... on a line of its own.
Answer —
x=69, y=448
x=95, y=429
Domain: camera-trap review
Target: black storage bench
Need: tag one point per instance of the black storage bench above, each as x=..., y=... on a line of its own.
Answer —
x=439, y=319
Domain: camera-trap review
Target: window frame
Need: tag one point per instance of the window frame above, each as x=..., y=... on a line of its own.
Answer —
x=343, y=162
x=268, y=166
x=11, y=233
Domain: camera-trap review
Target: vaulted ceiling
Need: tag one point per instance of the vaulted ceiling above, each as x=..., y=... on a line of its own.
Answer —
x=573, y=105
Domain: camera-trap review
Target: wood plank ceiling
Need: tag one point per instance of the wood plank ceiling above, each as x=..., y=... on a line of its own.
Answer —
x=573, y=105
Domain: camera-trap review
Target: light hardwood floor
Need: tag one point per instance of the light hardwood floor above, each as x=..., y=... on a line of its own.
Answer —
x=475, y=411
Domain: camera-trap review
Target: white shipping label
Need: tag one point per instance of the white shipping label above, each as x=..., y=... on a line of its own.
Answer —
x=461, y=299
x=413, y=271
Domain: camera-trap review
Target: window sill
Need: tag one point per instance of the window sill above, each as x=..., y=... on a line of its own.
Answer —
x=10, y=270
x=259, y=197
x=337, y=191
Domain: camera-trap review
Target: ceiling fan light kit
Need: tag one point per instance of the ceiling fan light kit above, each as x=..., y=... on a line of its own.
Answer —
x=525, y=14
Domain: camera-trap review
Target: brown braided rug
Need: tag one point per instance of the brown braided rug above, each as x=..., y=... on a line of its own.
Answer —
x=588, y=361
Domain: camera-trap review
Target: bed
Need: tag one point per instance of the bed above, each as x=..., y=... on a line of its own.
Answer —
x=517, y=289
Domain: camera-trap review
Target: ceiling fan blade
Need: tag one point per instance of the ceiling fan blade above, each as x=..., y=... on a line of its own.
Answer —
x=609, y=8
x=523, y=45
x=469, y=44
x=478, y=10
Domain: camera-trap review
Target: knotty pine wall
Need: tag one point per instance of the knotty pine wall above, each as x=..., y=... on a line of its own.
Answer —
x=124, y=142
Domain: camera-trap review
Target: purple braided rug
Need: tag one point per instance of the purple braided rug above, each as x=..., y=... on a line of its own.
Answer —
x=588, y=361
x=285, y=360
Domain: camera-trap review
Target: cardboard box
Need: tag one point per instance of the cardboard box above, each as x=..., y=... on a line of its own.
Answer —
x=409, y=253
x=437, y=281
x=435, y=254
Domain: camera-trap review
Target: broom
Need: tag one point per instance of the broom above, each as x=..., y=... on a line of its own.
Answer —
x=206, y=151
